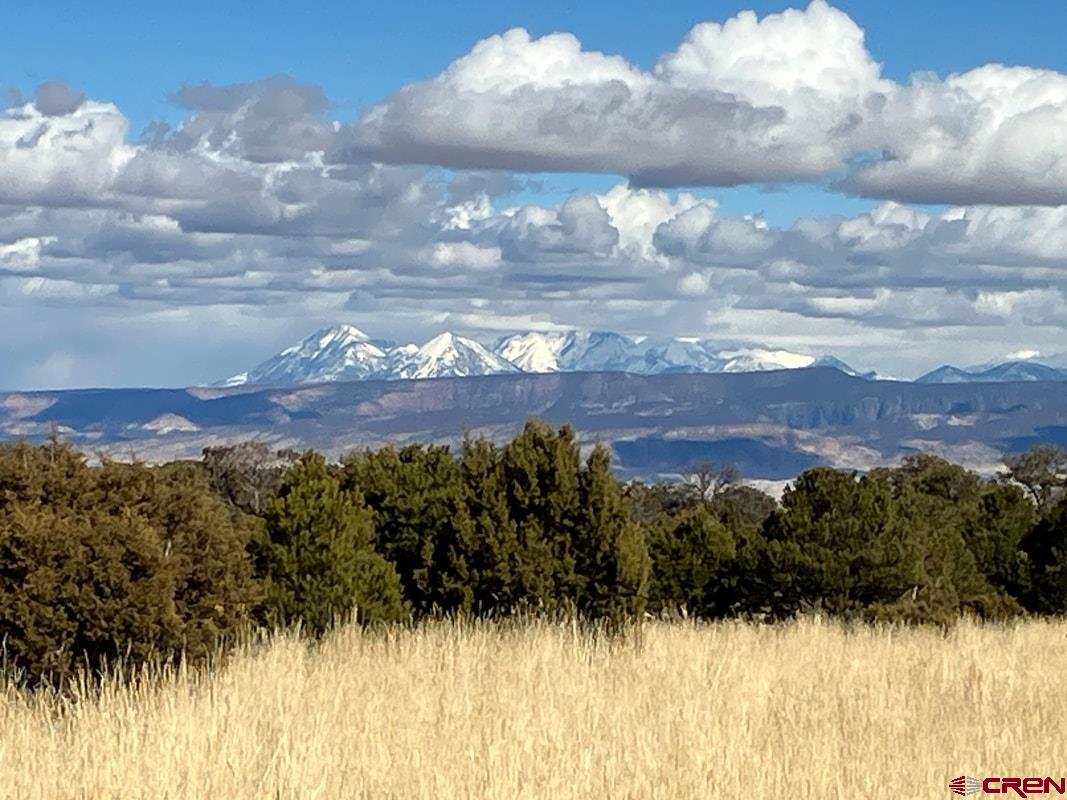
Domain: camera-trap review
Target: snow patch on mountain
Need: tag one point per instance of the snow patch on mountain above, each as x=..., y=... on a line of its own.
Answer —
x=170, y=423
x=757, y=360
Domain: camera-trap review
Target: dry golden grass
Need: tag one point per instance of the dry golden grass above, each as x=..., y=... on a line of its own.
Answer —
x=806, y=710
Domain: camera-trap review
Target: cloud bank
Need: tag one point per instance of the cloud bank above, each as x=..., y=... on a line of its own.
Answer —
x=794, y=96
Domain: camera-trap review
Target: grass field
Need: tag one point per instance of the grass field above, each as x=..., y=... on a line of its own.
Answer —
x=806, y=710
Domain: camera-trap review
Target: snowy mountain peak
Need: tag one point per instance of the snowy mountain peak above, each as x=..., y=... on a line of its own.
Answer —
x=599, y=351
x=759, y=360
x=534, y=351
x=444, y=345
x=335, y=336
x=337, y=353
x=449, y=355
x=572, y=351
x=344, y=332
x=946, y=373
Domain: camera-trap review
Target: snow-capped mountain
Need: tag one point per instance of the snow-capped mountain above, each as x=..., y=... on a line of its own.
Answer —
x=338, y=353
x=572, y=351
x=447, y=356
x=344, y=353
x=600, y=351
x=757, y=360
x=534, y=351
x=947, y=374
x=603, y=351
x=683, y=355
x=1008, y=371
x=1054, y=360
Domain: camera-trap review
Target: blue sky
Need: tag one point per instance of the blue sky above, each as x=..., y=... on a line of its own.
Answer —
x=813, y=181
x=137, y=53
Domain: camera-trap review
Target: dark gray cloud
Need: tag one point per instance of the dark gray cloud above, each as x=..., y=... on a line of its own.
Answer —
x=580, y=227
x=56, y=99
x=272, y=120
x=663, y=140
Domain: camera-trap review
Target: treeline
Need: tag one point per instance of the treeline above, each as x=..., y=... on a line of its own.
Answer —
x=130, y=563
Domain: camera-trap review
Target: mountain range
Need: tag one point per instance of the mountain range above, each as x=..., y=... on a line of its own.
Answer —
x=345, y=353
x=1004, y=372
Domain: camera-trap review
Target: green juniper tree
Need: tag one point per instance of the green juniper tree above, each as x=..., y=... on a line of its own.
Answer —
x=691, y=557
x=611, y=555
x=116, y=561
x=838, y=542
x=421, y=522
x=1046, y=550
x=495, y=559
x=316, y=557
